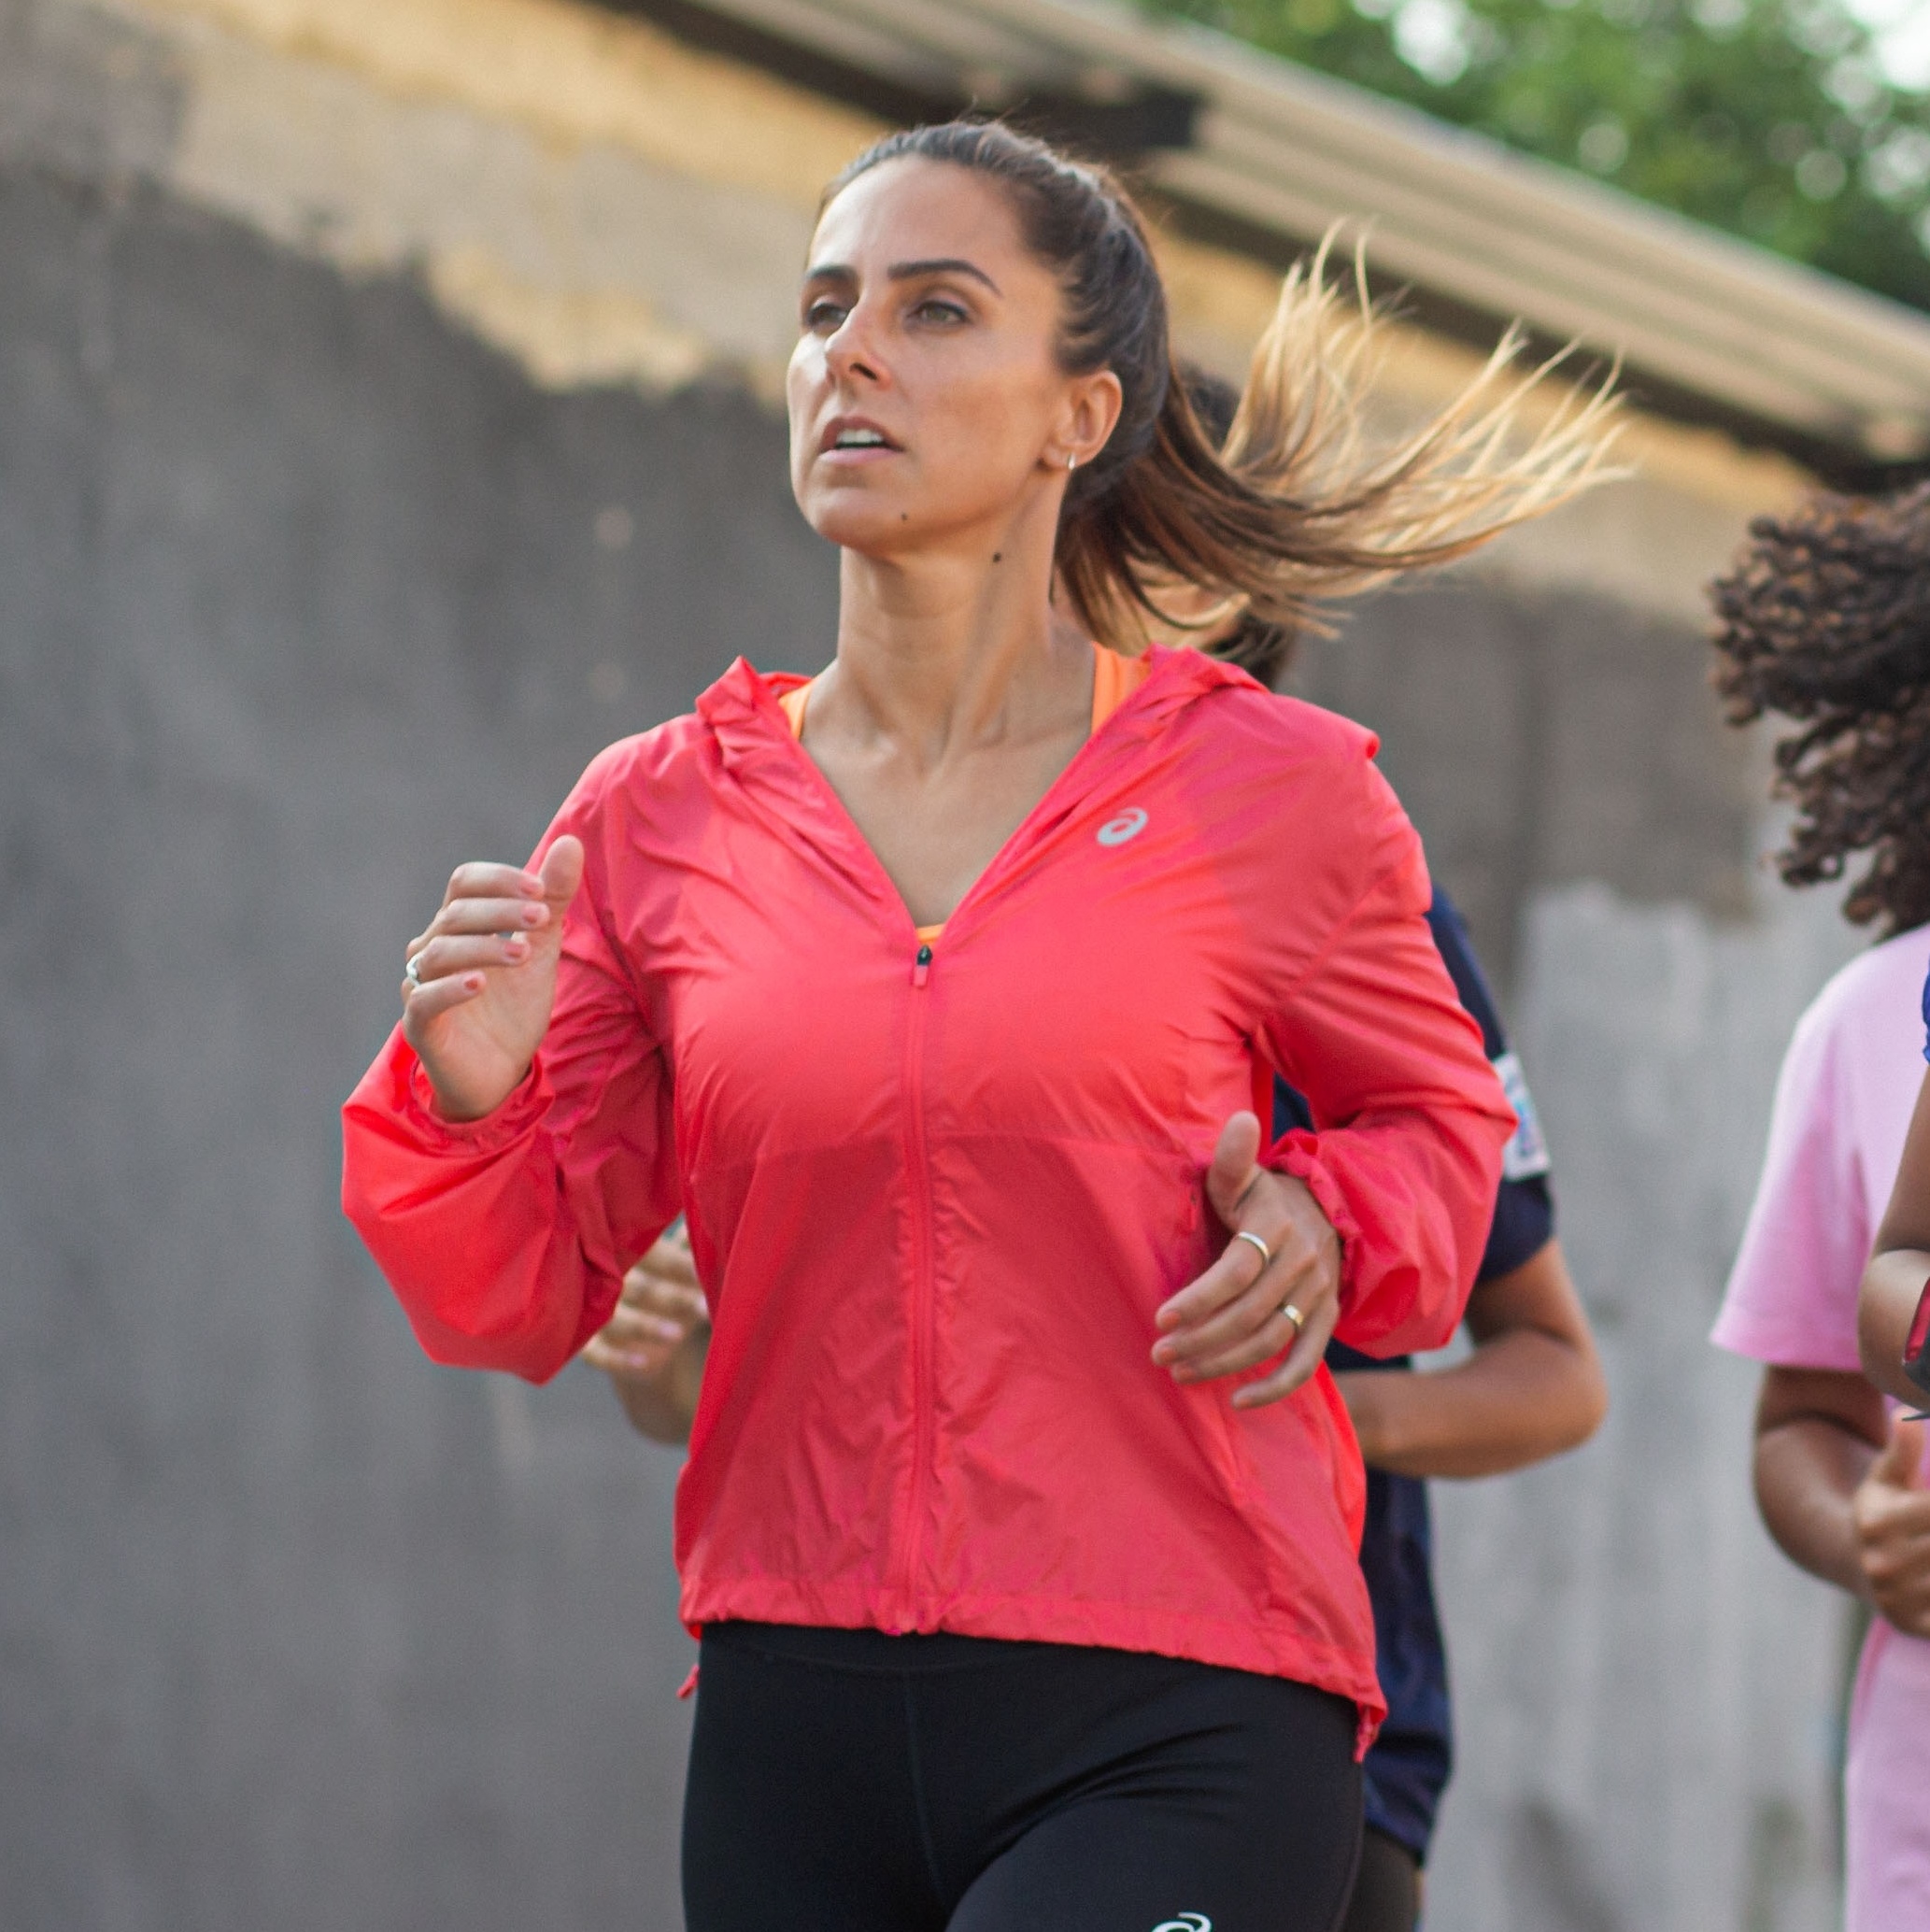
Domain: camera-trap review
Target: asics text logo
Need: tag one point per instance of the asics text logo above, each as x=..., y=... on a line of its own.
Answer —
x=1115, y=831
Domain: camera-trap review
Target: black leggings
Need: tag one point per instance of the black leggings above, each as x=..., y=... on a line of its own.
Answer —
x=844, y=1780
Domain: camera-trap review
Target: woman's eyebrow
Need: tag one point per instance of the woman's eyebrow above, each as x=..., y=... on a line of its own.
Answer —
x=943, y=265
x=905, y=271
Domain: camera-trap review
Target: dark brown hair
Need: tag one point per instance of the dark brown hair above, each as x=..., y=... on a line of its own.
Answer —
x=1261, y=650
x=1292, y=511
x=1826, y=619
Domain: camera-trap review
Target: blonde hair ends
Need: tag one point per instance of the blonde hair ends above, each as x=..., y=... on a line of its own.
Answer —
x=1304, y=505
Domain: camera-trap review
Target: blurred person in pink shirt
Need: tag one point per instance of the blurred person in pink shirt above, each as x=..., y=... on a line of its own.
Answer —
x=1826, y=620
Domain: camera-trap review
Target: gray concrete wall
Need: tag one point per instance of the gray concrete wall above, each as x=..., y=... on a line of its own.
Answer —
x=1543, y=736
x=303, y=597
x=305, y=593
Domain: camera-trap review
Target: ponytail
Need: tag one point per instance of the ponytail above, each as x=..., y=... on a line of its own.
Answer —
x=1296, y=510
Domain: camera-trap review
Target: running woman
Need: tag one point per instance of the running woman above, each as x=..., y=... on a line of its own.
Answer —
x=1826, y=620
x=1024, y=1598
x=1531, y=1388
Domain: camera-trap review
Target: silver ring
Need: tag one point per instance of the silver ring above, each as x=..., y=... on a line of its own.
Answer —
x=413, y=970
x=1296, y=1317
x=1266, y=1253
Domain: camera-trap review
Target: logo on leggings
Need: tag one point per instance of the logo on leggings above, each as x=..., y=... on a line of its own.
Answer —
x=1115, y=831
x=1186, y=1921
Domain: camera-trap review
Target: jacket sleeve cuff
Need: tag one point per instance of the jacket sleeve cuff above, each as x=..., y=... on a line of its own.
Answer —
x=1298, y=1153
x=507, y=1124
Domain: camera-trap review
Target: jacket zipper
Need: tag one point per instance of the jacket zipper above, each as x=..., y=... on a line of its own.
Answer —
x=923, y=1313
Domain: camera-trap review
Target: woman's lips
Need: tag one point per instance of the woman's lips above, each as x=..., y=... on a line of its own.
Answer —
x=857, y=455
x=840, y=428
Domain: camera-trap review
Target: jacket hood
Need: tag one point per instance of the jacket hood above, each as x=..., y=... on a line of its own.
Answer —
x=760, y=756
x=742, y=712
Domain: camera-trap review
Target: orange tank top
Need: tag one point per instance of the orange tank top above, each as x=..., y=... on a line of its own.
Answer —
x=1115, y=678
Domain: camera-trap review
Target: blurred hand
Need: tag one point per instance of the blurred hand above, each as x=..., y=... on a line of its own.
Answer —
x=1892, y=1512
x=488, y=969
x=1229, y=1319
x=662, y=1307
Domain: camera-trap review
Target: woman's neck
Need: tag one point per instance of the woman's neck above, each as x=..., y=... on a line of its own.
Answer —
x=946, y=653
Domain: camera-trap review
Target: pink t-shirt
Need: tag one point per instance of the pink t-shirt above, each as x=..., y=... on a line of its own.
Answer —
x=1843, y=1105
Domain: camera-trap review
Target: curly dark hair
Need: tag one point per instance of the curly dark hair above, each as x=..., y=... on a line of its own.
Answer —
x=1826, y=619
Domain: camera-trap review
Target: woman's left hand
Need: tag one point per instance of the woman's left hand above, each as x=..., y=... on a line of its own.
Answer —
x=1234, y=1316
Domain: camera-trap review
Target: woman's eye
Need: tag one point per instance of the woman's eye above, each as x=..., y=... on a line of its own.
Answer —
x=823, y=313
x=934, y=309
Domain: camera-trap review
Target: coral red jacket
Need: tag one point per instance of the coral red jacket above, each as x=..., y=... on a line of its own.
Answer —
x=937, y=1202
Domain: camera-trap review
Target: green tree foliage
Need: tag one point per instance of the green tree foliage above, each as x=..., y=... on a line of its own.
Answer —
x=1771, y=118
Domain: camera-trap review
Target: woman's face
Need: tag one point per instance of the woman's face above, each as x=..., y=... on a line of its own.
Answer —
x=926, y=401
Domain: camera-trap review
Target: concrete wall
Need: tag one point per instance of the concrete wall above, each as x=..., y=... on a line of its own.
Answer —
x=305, y=595
x=380, y=434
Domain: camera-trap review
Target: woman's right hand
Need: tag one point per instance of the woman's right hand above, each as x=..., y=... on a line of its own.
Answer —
x=478, y=1002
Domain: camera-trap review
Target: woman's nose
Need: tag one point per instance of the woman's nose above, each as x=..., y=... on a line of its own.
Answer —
x=852, y=349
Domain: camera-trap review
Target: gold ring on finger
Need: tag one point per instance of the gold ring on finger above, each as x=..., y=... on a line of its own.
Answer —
x=1260, y=1248
x=1295, y=1317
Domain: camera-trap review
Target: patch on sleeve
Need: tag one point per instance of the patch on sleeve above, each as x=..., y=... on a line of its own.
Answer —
x=1526, y=1153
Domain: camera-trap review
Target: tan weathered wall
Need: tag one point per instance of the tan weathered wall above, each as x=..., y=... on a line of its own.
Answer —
x=607, y=205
